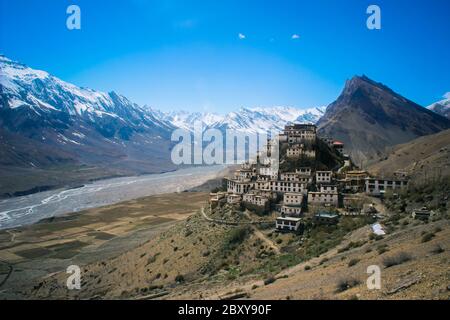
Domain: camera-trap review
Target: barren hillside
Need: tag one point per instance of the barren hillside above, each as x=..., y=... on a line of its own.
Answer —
x=427, y=156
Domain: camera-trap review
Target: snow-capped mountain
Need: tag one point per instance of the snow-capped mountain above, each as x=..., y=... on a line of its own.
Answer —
x=263, y=119
x=186, y=120
x=42, y=93
x=23, y=87
x=45, y=121
x=247, y=119
x=442, y=107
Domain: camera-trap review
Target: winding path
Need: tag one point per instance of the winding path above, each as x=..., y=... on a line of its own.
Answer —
x=252, y=224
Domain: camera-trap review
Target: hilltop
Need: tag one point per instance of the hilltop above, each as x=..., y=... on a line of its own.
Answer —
x=368, y=117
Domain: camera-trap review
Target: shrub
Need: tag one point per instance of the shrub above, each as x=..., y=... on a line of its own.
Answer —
x=236, y=237
x=179, y=278
x=344, y=284
x=382, y=248
x=437, y=249
x=307, y=268
x=151, y=259
x=206, y=253
x=397, y=259
x=427, y=237
x=269, y=280
x=352, y=262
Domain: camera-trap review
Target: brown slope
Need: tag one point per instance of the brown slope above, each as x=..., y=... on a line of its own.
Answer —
x=426, y=156
x=368, y=117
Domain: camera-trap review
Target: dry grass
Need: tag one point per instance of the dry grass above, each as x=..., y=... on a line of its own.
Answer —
x=396, y=259
x=346, y=283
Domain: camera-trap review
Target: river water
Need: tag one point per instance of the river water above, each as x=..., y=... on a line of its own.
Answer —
x=30, y=209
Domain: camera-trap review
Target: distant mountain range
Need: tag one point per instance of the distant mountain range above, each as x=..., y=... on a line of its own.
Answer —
x=46, y=123
x=368, y=117
x=247, y=119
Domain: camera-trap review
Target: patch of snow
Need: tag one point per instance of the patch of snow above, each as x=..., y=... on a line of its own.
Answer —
x=16, y=103
x=41, y=103
x=79, y=135
x=444, y=103
x=67, y=139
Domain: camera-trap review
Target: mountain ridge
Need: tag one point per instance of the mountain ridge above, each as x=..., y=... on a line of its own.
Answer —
x=47, y=123
x=369, y=116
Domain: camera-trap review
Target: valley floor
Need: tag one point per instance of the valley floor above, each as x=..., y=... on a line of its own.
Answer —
x=28, y=254
x=162, y=247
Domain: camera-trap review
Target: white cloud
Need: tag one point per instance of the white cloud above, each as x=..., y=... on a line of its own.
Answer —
x=241, y=36
x=295, y=36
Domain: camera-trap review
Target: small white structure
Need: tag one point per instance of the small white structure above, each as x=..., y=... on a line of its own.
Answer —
x=255, y=199
x=239, y=186
x=234, y=198
x=294, y=176
x=288, y=223
x=323, y=176
x=287, y=186
x=377, y=187
x=329, y=188
x=295, y=152
x=243, y=174
x=304, y=171
x=293, y=199
x=300, y=132
x=323, y=198
x=280, y=186
x=268, y=172
x=378, y=229
x=422, y=214
x=214, y=197
x=291, y=211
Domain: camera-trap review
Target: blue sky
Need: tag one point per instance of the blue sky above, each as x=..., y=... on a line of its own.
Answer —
x=187, y=54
